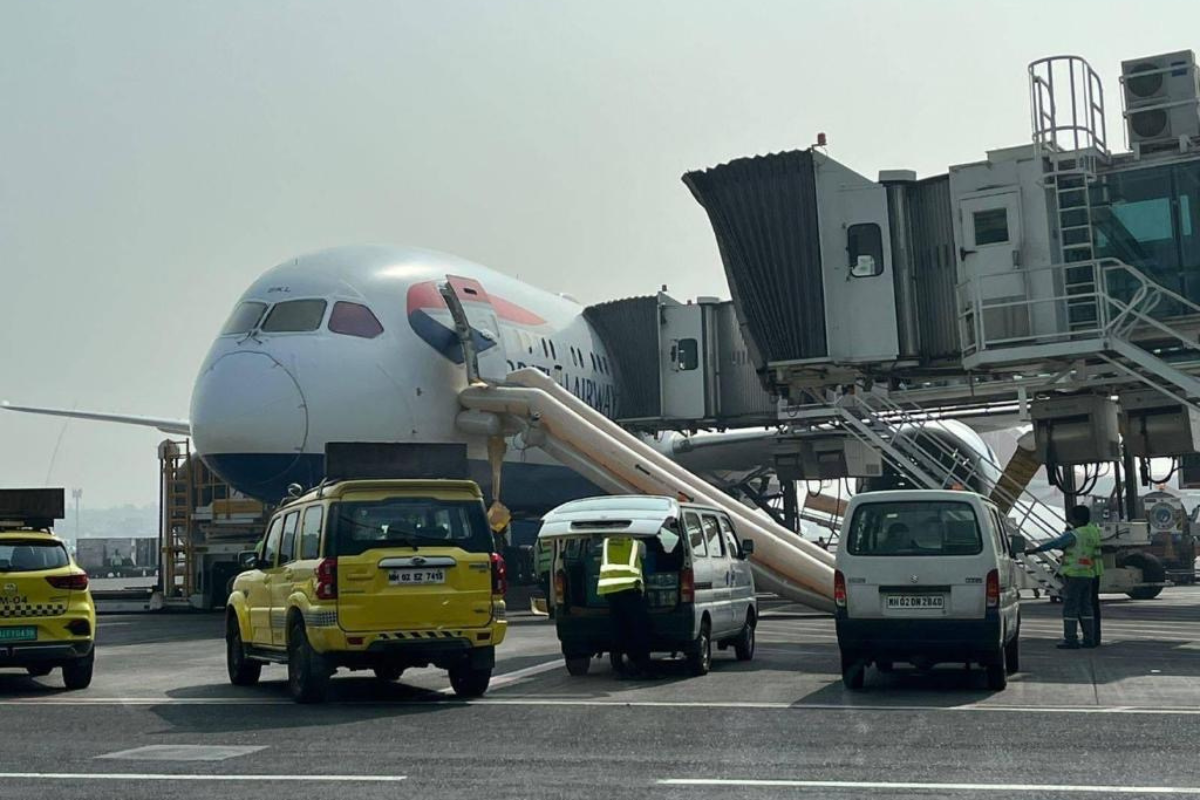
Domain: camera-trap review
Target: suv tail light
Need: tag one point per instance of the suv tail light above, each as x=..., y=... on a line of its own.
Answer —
x=993, y=589
x=77, y=581
x=687, y=586
x=560, y=588
x=327, y=579
x=499, y=574
x=839, y=589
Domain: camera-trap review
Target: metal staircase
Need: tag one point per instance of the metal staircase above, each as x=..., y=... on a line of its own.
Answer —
x=907, y=438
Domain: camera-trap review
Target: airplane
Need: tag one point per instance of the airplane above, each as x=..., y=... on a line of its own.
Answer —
x=357, y=344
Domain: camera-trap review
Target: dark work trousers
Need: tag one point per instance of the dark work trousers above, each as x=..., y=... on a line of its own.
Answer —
x=630, y=619
x=1077, y=607
x=1096, y=608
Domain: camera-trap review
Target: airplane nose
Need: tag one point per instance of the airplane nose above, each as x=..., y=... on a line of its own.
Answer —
x=248, y=404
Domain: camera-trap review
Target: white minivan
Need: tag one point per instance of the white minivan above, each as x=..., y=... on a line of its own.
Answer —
x=926, y=577
x=699, y=586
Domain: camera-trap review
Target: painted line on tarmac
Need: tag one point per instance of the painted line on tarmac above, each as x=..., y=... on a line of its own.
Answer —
x=177, y=776
x=891, y=786
x=616, y=702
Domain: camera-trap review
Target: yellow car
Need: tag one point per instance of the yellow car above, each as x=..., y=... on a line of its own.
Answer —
x=47, y=618
x=380, y=574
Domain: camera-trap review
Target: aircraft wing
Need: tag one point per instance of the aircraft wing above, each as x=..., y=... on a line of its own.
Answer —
x=176, y=427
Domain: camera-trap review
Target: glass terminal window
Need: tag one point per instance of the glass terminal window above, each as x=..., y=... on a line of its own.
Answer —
x=294, y=316
x=353, y=319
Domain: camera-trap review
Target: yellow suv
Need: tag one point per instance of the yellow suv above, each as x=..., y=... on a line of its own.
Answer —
x=379, y=574
x=47, y=619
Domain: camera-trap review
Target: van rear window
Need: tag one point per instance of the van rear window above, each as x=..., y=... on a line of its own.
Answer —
x=357, y=526
x=923, y=528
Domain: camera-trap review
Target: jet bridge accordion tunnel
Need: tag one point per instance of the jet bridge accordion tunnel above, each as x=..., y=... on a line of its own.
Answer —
x=829, y=269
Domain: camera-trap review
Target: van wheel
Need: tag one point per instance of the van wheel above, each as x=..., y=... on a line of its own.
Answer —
x=470, y=682
x=743, y=646
x=578, y=665
x=242, y=671
x=997, y=675
x=308, y=674
x=38, y=672
x=387, y=674
x=617, y=661
x=699, y=657
x=854, y=670
x=77, y=674
x=1012, y=654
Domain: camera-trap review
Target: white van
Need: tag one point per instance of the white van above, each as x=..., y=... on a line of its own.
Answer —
x=925, y=577
x=699, y=586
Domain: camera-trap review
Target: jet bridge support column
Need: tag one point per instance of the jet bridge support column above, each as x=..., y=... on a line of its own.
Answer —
x=791, y=505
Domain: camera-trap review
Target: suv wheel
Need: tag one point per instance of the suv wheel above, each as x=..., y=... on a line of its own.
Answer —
x=699, y=659
x=308, y=674
x=243, y=671
x=743, y=646
x=469, y=682
x=77, y=674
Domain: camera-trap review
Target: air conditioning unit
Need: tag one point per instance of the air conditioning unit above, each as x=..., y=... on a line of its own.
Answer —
x=1162, y=98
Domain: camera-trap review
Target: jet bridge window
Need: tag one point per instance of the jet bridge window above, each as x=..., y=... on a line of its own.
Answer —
x=294, y=316
x=244, y=318
x=353, y=319
x=864, y=243
x=685, y=354
x=991, y=226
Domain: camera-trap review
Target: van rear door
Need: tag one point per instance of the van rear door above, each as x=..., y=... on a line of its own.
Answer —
x=411, y=563
x=916, y=559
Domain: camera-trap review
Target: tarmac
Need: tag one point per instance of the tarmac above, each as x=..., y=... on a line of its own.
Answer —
x=161, y=720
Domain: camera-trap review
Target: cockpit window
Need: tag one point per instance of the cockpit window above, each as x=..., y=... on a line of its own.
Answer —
x=353, y=319
x=244, y=318
x=293, y=316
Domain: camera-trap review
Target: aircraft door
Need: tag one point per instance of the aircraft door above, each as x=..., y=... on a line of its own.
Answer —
x=485, y=327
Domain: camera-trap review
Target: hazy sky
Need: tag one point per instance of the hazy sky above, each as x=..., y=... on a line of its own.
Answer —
x=156, y=156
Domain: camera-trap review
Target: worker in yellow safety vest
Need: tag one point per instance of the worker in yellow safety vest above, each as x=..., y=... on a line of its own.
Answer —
x=622, y=584
x=1081, y=564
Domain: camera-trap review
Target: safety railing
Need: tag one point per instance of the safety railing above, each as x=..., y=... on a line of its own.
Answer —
x=1087, y=300
x=1066, y=102
x=908, y=440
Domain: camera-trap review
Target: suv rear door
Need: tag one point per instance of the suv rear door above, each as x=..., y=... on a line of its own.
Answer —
x=913, y=558
x=411, y=563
